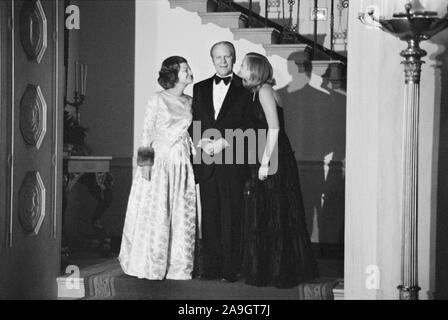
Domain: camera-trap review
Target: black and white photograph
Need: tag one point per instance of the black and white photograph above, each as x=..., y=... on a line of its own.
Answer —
x=240, y=152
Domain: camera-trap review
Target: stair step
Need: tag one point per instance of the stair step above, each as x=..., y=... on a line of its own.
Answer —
x=257, y=35
x=194, y=5
x=70, y=288
x=233, y=20
x=338, y=291
x=297, y=52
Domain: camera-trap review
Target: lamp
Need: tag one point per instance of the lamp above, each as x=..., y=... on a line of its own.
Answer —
x=411, y=21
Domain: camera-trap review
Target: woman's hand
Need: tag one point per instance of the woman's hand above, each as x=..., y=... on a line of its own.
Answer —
x=263, y=173
x=206, y=145
x=146, y=172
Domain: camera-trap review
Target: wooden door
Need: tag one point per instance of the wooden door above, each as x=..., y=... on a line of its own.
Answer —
x=31, y=147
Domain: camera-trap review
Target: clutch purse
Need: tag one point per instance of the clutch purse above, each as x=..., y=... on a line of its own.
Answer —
x=145, y=156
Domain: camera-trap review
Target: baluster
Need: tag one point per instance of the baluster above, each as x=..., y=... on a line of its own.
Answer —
x=332, y=29
x=283, y=10
x=266, y=4
x=315, y=28
x=250, y=13
x=291, y=6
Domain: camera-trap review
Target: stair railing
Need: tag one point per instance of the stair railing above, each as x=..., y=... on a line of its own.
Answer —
x=315, y=12
x=341, y=32
x=288, y=33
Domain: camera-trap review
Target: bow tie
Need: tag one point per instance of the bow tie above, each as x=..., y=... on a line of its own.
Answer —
x=226, y=79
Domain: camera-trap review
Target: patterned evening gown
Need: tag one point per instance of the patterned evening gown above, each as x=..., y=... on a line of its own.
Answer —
x=276, y=245
x=159, y=230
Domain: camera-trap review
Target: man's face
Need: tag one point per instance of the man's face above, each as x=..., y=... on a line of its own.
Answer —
x=222, y=60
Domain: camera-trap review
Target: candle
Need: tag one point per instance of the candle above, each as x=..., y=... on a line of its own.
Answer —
x=76, y=76
x=82, y=78
x=85, y=79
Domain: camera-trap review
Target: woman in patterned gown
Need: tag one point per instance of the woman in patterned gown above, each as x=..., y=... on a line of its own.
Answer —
x=276, y=245
x=159, y=230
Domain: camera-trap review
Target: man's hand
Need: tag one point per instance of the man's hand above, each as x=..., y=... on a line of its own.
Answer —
x=146, y=172
x=212, y=147
x=220, y=145
x=206, y=144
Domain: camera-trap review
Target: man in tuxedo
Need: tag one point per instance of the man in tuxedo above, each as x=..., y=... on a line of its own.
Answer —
x=219, y=103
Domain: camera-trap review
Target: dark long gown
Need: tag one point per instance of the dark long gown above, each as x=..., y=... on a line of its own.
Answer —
x=276, y=245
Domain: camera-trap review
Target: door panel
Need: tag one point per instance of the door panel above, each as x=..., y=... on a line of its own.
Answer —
x=32, y=207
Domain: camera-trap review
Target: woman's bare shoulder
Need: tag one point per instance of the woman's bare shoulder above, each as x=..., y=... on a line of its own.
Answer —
x=268, y=92
x=266, y=89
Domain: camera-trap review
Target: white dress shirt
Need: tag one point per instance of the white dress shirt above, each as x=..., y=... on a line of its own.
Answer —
x=219, y=94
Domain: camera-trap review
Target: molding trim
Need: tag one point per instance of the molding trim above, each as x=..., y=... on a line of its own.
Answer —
x=56, y=158
x=10, y=133
x=32, y=203
x=33, y=30
x=33, y=116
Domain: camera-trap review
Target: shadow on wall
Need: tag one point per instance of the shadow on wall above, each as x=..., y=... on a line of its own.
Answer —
x=315, y=116
x=442, y=176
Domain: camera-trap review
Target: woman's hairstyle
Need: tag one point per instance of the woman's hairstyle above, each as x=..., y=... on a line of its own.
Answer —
x=168, y=74
x=260, y=69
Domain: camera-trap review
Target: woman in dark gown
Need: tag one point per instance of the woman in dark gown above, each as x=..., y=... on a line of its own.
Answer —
x=276, y=245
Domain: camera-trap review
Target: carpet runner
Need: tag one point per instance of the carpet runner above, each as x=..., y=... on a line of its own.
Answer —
x=106, y=281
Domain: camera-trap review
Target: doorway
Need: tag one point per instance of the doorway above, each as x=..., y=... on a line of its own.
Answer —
x=98, y=128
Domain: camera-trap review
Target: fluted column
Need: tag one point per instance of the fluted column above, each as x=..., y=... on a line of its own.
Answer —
x=409, y=260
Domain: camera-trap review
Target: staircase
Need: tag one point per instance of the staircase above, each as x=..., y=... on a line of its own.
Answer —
x=276, y=39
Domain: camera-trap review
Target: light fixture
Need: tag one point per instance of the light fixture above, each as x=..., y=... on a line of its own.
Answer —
x=412, y=21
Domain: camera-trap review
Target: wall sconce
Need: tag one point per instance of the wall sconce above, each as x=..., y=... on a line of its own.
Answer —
x=411, y=21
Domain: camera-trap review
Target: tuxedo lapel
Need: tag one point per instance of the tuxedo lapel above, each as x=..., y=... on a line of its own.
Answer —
x=208, y=100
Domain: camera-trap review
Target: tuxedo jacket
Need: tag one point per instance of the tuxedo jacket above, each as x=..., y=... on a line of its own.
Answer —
x=234, y=114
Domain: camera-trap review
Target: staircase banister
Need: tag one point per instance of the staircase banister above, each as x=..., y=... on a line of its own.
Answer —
x=332, y=54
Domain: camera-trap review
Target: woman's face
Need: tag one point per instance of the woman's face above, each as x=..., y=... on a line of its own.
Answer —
x=185, y=74
x=245, y=73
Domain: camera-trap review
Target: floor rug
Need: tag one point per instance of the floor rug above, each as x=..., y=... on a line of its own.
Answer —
x=106, y=281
